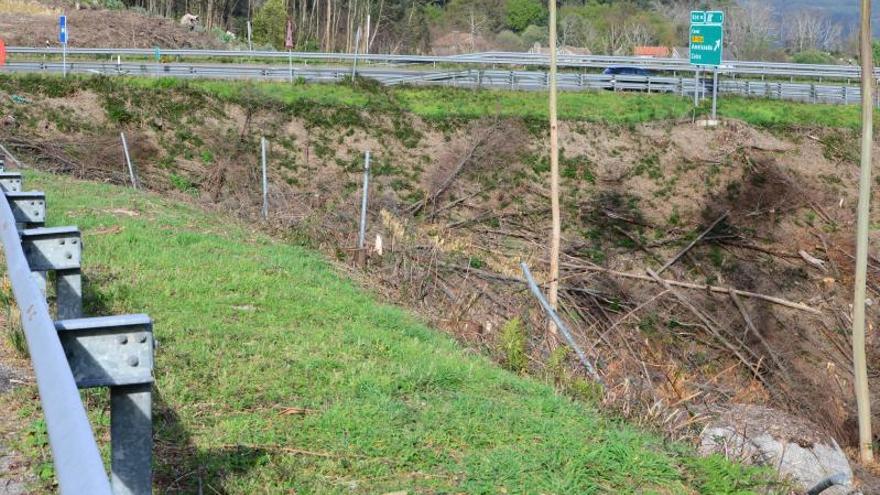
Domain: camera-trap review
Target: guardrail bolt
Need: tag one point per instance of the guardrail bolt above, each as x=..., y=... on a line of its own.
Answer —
x=133, y=361
x=143, y=338
x=122, y=339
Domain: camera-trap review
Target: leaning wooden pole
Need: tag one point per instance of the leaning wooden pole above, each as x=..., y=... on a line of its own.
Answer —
x=552, y=293
x=860, y=370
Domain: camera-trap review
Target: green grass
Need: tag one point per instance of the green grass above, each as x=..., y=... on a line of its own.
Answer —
x=440, y=104
x=248, y=325
x=437, y=103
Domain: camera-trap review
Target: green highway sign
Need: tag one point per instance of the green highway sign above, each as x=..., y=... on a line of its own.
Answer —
x=706, y=37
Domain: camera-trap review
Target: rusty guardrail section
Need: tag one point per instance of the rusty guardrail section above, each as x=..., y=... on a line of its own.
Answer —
x=69, y=351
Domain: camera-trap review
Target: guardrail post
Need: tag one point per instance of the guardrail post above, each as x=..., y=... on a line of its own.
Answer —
x=814, y=97
x=131, y=439
x=512, y=79
x=846, y=95
x=117, y=352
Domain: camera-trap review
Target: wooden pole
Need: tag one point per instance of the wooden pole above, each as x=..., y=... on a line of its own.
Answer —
x=552, y=293
x=860, y=370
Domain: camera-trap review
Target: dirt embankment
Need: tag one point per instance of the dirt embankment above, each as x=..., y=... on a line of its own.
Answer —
x=100, y=29
x=458, y=205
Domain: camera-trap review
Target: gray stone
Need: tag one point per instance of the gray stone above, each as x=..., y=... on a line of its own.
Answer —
x=796, y=448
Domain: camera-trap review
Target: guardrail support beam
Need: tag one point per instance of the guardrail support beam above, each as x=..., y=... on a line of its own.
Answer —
x=28, y=208
x=57, y=249
x=10, y=181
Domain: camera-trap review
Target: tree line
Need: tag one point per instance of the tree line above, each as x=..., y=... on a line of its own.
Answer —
x=754, y=30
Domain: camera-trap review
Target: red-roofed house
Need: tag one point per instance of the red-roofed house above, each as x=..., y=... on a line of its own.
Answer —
x=651, y=51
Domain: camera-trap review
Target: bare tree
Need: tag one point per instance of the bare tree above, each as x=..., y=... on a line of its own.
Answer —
x=751, y=30
x=811, y=30
x=637, y=33
x=578, y=31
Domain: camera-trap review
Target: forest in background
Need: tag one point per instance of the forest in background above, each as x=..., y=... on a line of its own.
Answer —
x=754, y=29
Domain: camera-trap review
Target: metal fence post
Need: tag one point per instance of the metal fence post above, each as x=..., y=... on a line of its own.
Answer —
x=362, y=231
x=715, y=94
x=134, y=183
x=265, y=211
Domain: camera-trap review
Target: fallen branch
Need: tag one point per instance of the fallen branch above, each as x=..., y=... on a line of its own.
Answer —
x=813, y=261
x=710, y=288
x=710, y=325
x=469, y=155
x=693, y=243
x=751, y=326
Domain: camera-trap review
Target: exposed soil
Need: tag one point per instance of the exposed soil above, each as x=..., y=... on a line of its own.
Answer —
x=459, y=205
x=101, y=29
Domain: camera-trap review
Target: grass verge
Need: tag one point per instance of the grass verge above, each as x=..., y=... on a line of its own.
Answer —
x=443, y=104
x=275, y=375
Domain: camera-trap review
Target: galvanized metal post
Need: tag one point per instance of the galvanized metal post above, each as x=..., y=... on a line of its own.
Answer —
x=715, y=94
x=551, y=313
x=357, y=43
x=697, y=87
x=134, y=183
x=362, y=232
x=131, y=439
x=263, y=146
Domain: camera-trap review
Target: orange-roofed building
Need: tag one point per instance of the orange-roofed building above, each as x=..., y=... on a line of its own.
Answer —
x=651, y=51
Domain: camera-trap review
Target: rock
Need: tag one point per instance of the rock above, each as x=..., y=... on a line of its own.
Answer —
x=765, y=437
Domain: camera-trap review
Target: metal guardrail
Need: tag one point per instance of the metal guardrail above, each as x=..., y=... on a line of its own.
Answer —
x=521, y=80
x=731, y=67
x=71, y=352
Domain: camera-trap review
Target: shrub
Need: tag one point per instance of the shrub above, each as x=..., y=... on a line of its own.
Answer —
x=513, y=344
x=270, y=24
x=812, y=57
x=509, y=41
x=523, y=13
x=535, y=34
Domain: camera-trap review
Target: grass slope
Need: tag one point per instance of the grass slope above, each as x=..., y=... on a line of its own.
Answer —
x=442, y=105
x=249, y=325
x=436, y=103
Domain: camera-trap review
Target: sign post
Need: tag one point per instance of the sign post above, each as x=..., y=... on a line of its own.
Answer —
x=62, y=38
x=707, y=46
x=354, y=64
x=288, y=43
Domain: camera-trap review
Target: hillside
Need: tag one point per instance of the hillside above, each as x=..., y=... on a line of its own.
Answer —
x=459, y=198
x=276, y=375
x=26, y=23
